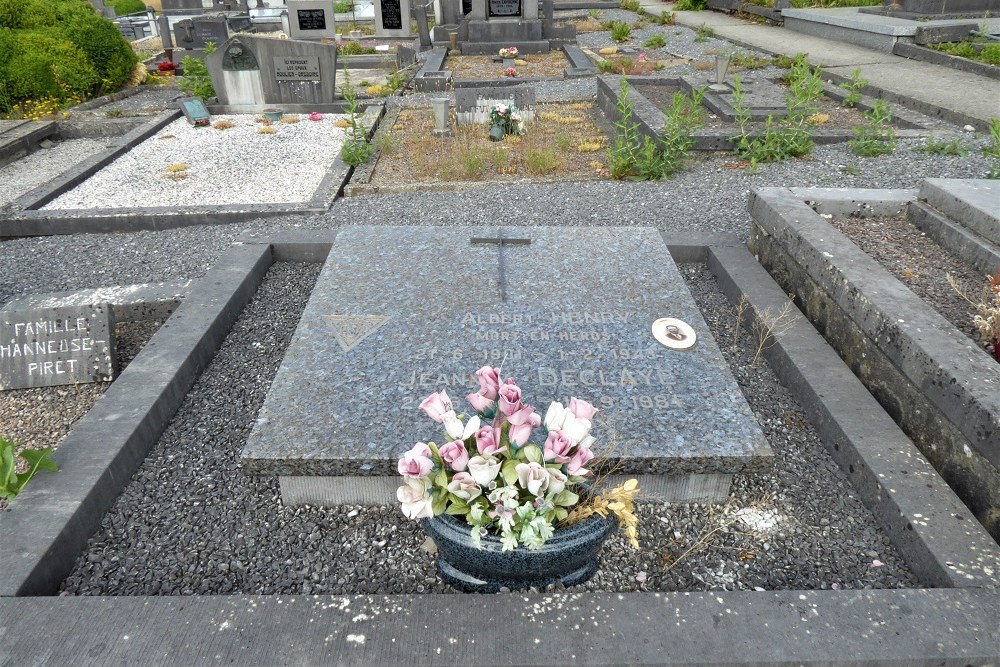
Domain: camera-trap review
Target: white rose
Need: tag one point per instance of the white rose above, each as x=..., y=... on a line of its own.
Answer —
x=532, y=477
x=484, y=469
x=557, y=481
x=555, y=416
x=464, y=486
x=576, y=428
x=415, y=499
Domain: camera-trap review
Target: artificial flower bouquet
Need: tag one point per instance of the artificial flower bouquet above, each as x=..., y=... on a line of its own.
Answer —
x=508, y=117
x=509, y=52
x=488, y=471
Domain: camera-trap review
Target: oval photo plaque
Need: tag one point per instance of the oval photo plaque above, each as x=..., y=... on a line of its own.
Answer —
x=673, y=333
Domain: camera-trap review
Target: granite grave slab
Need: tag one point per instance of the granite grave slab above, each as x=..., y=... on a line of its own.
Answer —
x=401, y=312
x=44, y=347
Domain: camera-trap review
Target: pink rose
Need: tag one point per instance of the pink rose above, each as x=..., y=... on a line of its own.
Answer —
x=489, y=381
x=581, y=409
x=416, y=462
x=579, y=459
x=521, y=423
x=436, y=405
x=481, y=403
x=557, y=447
x=454, y=455
x=488, y=441
x=315, y=115
x=510, y=398
x=464, y=486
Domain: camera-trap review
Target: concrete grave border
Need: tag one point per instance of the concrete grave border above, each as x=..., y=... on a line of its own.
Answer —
x=925, y=372
x=51, y=521
x=27, y=219
x=650, y=118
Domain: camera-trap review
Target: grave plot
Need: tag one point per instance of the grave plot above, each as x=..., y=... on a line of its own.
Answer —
x=904, y=336
x=237, y=160
x=201, y=529
x=525, y=66
x=565, y=141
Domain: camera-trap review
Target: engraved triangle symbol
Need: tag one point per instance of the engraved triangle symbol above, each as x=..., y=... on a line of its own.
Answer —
x=349, y=330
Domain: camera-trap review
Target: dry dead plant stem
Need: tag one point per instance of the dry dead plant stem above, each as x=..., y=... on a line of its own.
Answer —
x=717, y=521
x=766, y=326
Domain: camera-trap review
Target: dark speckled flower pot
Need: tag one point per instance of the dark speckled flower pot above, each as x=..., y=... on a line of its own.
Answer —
x=569, y=556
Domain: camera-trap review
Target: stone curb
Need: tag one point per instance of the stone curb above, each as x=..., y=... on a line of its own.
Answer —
x=49, y=524
x=24, y=139
x=936, y=382
x=915, y=52
x=975, y=203
x=959, y=240
x=832, y=629
x=927, y=522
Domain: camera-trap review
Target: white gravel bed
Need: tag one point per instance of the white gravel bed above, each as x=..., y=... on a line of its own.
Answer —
x=232, y=166
x=34, y=169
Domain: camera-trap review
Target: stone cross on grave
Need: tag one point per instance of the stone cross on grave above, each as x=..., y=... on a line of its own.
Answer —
x=500, y=242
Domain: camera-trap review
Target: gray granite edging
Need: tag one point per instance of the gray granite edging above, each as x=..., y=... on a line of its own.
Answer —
x=50, y=522
x=829, y=628
x=24, y=139
x=940, y=539
x=917, y=52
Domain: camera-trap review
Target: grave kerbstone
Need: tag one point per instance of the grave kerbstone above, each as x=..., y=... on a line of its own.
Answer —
x=473, y=105
x=43, y=347
x=386, y=326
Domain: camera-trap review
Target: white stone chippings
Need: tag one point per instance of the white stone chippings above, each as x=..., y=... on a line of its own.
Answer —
x=224, y=167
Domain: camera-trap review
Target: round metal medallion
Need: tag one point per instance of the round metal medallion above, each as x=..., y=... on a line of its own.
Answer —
x=673, y=333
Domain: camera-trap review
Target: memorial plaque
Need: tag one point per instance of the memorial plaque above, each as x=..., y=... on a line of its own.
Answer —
x=311, y=19
x=296, y=68
x=401, y=312
x=43, y=347
x=195, y=111
x=504, y=8
x=239, y=58
x=392, y=14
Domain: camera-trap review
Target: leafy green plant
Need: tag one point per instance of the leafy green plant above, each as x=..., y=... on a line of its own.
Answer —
x=630, y=5
x=656, y=42
x=993, y=148
x=779, y=140
x=396, y=80
x=786, y=62
x=196, y=80
x=806, y=85
x=620, y=31
x=11, y=481
x=595, y=14
x=123, y=7
x=853, y=88
x=690, y=5
x=703, y=33
x=941, y=147
x=623, y=154
x=356, y=149
x=666, y=18
x=604, y=66
x=744, y=61
x=541, y=160
x=343, y=6
x=876, y=137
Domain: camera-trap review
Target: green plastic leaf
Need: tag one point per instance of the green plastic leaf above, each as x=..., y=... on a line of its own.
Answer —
x=566, y=498
x=439, y=503
x=532, y=453
x=441, y=479
x=509, y=472
x=458, y=507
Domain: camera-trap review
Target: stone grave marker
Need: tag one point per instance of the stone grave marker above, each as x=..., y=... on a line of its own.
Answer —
x=473, y=105
x=251, y=72
x=494, y=24
x=311, y=19
x=392, y=18
x=385, y=327
x=43, y=347
x=195, y=112
x=194, y=32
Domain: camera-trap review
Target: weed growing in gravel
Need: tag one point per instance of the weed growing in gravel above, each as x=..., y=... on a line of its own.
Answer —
x=289, y=119
x=223, y=124
x=541, y=160
x=620, y=31
x=630, y=5
x=690, y=5
x=564, y=141
x=11, y=482
x=595, y=14
x=267, y=129
x=745, y=61
x=767, y=325
x=779, y=140
x=656, y=42
x=941, y=147
x=666, y=18
x=993, y=148
x=356, y=150
x=625, y=152
x=876, y=137
x=719, y=520
x=853, y=88
x=703, y=33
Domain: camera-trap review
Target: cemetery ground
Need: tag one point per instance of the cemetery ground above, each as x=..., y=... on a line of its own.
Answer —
x=801, y=551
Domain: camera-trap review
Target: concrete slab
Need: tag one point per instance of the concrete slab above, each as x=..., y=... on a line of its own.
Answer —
x=833, y=629
x=973, y=203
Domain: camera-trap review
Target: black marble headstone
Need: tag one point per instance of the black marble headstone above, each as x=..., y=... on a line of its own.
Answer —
x=392, y=15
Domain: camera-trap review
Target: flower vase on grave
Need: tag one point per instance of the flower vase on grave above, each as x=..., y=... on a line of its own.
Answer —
x=497, y=132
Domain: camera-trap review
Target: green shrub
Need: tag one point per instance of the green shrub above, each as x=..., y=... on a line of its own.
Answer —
x=196, y=80
x=656, y=42
x=123, y=7
x=26, y=14
x=620, y=31
x=105, y=47
x=991, y=54
x=44, y=65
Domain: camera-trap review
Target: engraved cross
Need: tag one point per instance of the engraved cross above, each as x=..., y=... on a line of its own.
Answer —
x=500, y=242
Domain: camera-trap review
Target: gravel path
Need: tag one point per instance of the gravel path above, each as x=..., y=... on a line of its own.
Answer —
x=191, y=522
x=232, y=166
x=41, y=166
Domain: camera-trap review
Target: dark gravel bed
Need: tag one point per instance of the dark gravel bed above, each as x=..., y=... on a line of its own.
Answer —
x=190, y=522
x=920, y=263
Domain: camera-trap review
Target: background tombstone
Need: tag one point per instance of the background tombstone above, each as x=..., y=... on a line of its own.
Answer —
x=250, y=72
x=392, y=18
x=43, y=347
x=494, y=24
x=473, y=105
x=311, y=19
